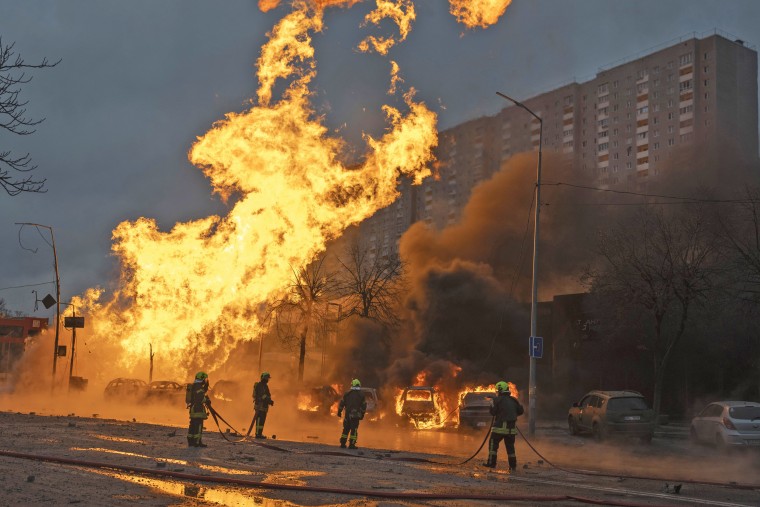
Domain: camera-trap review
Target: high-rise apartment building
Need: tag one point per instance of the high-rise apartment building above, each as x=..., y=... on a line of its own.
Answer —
x=687, y=104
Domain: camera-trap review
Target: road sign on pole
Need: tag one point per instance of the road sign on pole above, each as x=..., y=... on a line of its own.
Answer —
x=536, y=345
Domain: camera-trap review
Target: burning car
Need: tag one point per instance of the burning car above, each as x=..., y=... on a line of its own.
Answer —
x=418, y=405
x=227, y=391
x=319, y=400
x=474, y=409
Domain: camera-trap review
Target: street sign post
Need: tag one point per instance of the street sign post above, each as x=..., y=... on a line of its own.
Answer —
x=536, y=346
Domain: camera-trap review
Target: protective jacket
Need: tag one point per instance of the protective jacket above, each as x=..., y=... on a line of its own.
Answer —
x=262, y=398
x=196, y=399
x=353, y=403
x=505, y=409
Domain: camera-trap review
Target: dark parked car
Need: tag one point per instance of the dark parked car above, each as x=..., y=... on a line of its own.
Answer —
x=474, y=410
x=728, y=424
x=125, y=389
x=608, y=413
x=418, y=405
x=165, y=391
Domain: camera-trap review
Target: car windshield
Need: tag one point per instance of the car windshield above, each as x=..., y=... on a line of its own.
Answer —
x=368, y=396
x=748, y=413
x=623, y=404
x=418, y=395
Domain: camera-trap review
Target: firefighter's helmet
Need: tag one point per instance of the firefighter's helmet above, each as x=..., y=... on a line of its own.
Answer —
x=356, y=383
x=201, y=375
x=265, y=375
x=502, y=387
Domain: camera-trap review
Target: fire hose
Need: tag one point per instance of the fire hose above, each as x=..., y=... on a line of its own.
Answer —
x=404, y=495
x=593, y=473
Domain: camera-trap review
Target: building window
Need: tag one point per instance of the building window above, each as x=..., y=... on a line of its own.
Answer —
x=687, y=109
x=656, y=146
x=656, y=107
x=685, y=59
x=603, y=89
x=643, y=110
x=706, y=82
x=671, y=142
x=685, y=137
x=670, y=102
x=604, y=147
x=670, y=64
x=670, y=116
x=670, y=129
x=685, y=85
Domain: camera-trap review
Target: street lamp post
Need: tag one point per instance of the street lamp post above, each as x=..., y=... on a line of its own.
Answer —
x=534, y=280
x=57, y=292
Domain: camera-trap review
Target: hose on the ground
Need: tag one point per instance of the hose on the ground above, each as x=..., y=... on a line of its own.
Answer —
x=593, y=473
x=404, y=495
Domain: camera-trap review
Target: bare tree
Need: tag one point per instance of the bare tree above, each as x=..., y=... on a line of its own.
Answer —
x=661, y=266
x=302, y=309
x=14, y=119
x=740, y=230
x=370, y=285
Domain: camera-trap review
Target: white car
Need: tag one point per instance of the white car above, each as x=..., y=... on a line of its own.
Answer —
x=728, y=424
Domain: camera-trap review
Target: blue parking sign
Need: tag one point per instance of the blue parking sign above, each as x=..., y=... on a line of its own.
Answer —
x=536, y=345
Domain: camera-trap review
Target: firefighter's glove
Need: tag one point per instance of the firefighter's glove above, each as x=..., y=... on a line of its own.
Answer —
x=271, y=402
x=339, y=413
x=208, y=402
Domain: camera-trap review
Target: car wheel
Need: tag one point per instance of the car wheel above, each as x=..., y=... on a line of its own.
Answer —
x=598, y=432
x=572, y=425
x=721, y=444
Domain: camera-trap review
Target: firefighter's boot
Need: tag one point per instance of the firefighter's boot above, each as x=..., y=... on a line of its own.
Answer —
x=352, y=445
x=190, y=441
x=342, y=443
x=512, y=463
x=491, y=463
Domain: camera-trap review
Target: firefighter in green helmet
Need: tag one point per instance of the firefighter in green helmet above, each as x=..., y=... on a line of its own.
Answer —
x=355, y=405
x=262, y=400
x=197, y=400
x=505, y=410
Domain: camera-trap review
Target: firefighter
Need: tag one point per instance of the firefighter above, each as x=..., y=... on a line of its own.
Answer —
x=355, y=405
x=505, y=410
x=197, y=401
x=262, y=399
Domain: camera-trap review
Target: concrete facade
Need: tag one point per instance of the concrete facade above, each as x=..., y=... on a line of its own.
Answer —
x=688, y=104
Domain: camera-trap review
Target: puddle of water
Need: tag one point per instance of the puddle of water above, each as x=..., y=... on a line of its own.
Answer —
x=293, y=477
x=213, y=494
x=210, y=468
x=119, y=439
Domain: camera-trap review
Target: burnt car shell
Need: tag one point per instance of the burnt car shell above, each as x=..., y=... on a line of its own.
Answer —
x=128, y=389
x=475, y=410
x=373, y=403
x=165, y=390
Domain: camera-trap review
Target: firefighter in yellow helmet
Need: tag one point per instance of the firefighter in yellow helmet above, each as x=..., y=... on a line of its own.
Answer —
x=355, y=405
x=197, y=401
x=262, y=400
x=505, y=410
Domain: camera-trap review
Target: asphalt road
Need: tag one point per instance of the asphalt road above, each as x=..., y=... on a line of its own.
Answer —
x=392, y=458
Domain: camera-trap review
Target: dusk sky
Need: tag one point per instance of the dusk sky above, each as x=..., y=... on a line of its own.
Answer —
x=140, y=80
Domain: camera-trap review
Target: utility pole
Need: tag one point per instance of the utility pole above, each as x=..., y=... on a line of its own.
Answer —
x=57, y=294
x=534, y=283
x=150, y=374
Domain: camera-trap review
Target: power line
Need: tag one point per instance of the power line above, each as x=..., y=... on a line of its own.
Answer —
x=23, y=286
x=641, y=194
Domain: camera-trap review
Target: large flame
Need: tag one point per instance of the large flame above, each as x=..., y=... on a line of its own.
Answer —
x=482, y=13
x=292, y=194
x=193, y=292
